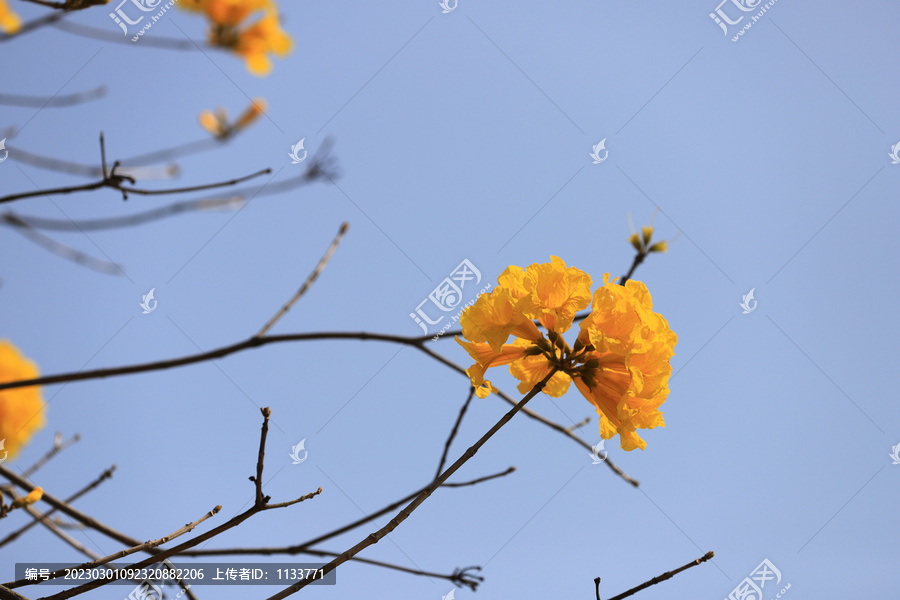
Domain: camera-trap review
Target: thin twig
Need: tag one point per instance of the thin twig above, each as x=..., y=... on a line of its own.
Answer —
x=579, y=424
x=58, y=446
x=459, y=418
x=374, y=538
x=309, y=280
x=662, y=577
x=260, y=498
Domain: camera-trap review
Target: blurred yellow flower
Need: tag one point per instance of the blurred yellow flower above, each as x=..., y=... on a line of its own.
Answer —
x=32, y=497
x=217, y=123
x=21, y=409
x=619, y=362
x=254, y=42
x=10, y=22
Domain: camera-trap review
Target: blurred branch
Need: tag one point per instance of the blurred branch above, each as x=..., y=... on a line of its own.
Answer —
x=69, y=5
x=97, y=33
x=14, y=219
x=309, y=280
x=60, y=249
x=58, y=446
x=74, y=168
x=29, y=26
x=374, y=538
x=657, y=579
x=52, y=101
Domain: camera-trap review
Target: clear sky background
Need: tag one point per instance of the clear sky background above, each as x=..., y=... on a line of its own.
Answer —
x=467, y=135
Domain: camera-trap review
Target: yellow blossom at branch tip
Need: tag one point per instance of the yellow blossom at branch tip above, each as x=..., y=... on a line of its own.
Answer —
x=32, y=497
x=257, y=107
x=211, y=123
x=619, y=361
x=21, y=409
x=10, y=22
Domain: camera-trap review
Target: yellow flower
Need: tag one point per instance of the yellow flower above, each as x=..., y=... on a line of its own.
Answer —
x=21, y=409
x=250, y=114
x=212, y=124
x=555, y=293
x=619, y=362
x=253, y=42
x=217, y=123
x=260, y=39
x=630, y=341
x=10, y=22
x=32, y=497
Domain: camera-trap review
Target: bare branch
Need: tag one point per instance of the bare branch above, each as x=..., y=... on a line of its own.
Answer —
x=658, y=578
x=107, y=474
x=309, y=281
x=301, y=548
x=99, y=562
x=375, y=537
x=58, y=446
x=459, y=418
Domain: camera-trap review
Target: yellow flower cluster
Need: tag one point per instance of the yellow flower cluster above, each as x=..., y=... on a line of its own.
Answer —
x=619, y=362
x=21, y=409
x=217, y=122
x=10, y=22
x=254, y=42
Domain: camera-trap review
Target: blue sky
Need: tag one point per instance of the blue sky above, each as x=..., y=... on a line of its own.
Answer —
x=467, y=135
